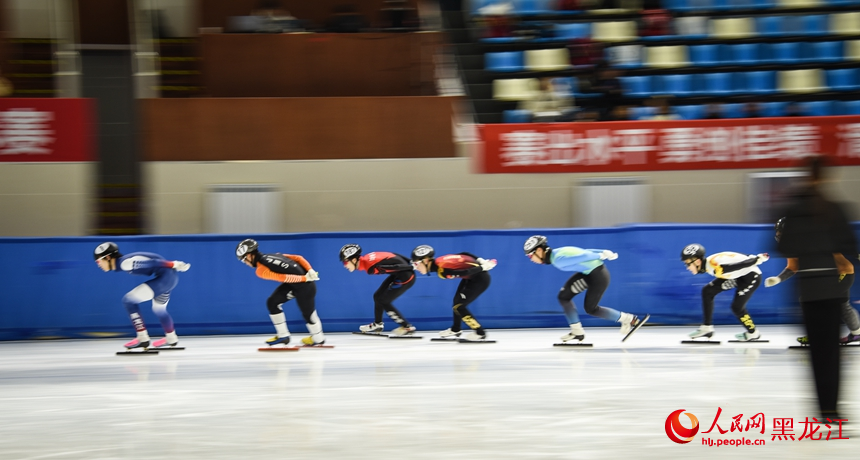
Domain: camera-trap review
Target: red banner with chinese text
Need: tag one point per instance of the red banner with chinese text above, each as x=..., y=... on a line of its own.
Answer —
x=46, y=130
x=667, y=145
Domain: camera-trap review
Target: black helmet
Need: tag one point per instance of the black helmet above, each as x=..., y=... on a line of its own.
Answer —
x=248, y=246
x=348, y=251
x=422, y=251
x=693, y=251
x=778, y=227
x=534, y=242
x=106, y=249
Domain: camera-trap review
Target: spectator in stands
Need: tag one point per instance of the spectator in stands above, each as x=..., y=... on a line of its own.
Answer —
x=569, y=5
x=497, y=19
x=618, y=113
x=345, y=19
x=276, y=19
x=752, y=110
x=584, y=52
x=713, y=111
x=793, y=109
x=664, y=111
x=655, y=23
x=548, y=104
x=608, y=85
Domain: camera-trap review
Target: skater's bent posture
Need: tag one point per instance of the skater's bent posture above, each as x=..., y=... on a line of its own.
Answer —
x=157, y=289
x=592, y=277
x=731, y=270
x=401, y=277
x=846, y=279
x=297, y=279
x=474, y=280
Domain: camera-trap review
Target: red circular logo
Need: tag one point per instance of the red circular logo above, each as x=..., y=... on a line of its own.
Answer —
x=676, y=431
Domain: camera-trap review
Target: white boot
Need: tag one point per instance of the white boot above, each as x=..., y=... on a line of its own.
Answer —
x=576, y=333
x=748, y=336
x=626, y=321
x=703, y=331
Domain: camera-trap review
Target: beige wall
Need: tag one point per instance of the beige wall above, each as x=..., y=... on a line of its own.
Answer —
x=46, y=199
x=434, y=194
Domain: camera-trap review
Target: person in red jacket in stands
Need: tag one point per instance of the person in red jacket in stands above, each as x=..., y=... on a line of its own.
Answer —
x=400, y=278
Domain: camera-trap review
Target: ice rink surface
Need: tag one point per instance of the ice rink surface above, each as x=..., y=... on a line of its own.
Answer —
x=378, y=398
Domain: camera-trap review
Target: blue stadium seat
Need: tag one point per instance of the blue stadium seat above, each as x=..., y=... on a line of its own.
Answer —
x=769, y=26
x=793, y=25
x=851, y=107
x=744, y=54
x=724, y=5
x=678, y=85
x=763, y=4
x=516, y=116
x=717, y=84
x=817, y=108
x=690, y=112
x=704, y=55
x=735, y=110
x=478, y=4
x=825, y=52
x=571, y=31
x=842, y=2
x=773, y=109
x=842, y=79
x=532, y=7
x=642, y=113
x=784, y=53
x=505, y=61
x=815, y=24
x=760, y=82
x=637, y=86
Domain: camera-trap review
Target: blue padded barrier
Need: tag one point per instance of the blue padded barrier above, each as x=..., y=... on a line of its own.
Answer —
x=58, y=291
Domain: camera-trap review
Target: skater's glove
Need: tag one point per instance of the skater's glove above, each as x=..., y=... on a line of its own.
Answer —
x=762, y=258
x=312, y=275
x=487, y=265
x=181, y=266
x=606, y=254
x=772, y=281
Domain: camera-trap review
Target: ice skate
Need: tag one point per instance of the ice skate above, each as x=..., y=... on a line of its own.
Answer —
x=748, y=336
x=308, y=342
x=850, y=338
x=634, y=325
x=702, y=331
x=372, y=328
x=448, y=335
x=403, y=330
x=137, y=344
x=162, y=344
x=474, y=337
x=576, y=333
x=278, y=340
x=803, y=340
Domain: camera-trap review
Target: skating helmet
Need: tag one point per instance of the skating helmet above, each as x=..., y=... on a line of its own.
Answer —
x=106, y=249
x=693, y=251
x=422, y=251
x=534, y=242
x=349, y=251
x=778, y=227
x=246, y=247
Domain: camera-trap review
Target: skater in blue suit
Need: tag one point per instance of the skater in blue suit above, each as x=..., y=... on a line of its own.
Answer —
x=591, y=277
x=157, y=289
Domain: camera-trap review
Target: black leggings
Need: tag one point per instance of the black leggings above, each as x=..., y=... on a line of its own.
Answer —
x=469, y=290
x=393, y=287
x=745, y=285
x=594, y=284
x=304, y=293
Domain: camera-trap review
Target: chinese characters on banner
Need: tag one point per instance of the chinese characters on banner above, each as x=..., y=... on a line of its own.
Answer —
x=667, y=145
x=783, y=429
x=46, y=130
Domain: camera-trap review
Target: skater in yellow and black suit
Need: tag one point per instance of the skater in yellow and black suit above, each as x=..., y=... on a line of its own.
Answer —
x=474, y=280
x=298, y=282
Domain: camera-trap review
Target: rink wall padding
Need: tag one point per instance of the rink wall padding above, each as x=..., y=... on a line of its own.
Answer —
x=54, y=289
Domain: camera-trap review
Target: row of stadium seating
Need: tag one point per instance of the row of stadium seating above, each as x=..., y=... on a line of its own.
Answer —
x=700, y=27
x=733, y=110
x=635, y=56
x=547, y=7
x=766, y=82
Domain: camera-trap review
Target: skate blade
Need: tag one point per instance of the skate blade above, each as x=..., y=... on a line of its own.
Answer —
x=317, y=346
x=142, y=352
x=700, y=342
x=573, y=344
x=476, y=341
x=636, y=327
x=445, y=339
x=850, y=344
x=798, y=347
x=373, y=334
x=169, y=348
x=749, y=341
x=405, y=336
x=279, y=349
